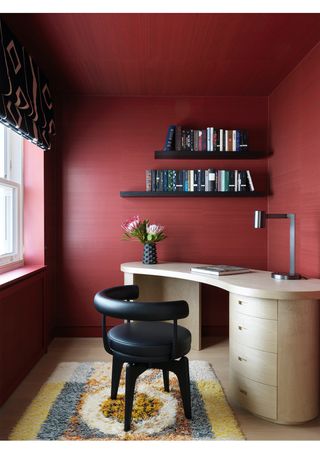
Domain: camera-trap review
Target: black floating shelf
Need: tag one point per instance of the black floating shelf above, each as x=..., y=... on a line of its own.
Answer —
x=209, y=155
x=193, y=194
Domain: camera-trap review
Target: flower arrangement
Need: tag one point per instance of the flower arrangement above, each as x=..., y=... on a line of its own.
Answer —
x=143, y=230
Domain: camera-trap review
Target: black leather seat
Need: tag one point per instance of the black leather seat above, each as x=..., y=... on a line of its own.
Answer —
x=151, y=341
x=147, y=343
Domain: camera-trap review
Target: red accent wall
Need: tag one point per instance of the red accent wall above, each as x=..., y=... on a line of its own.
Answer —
x=105, y=146
x=294, y=167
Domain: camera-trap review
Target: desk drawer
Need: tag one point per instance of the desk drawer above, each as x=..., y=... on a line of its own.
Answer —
x=258, y=398
x=261, y=308
x=254, y=364
x=257, y=333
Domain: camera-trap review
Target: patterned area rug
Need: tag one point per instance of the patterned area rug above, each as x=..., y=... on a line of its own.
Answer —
x=75, y=404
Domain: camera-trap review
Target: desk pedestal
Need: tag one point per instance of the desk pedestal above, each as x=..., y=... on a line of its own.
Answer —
x=165, y=289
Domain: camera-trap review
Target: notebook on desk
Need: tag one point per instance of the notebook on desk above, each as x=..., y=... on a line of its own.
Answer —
x=220, y=269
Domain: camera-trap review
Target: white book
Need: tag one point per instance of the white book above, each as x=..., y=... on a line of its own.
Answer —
x=208, y=139
x=226, y=140
x=234, y=140
x=220, y=269
x=221, y=140
x=250, y=181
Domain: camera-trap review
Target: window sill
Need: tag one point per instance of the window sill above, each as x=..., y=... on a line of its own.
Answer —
x=11, y=277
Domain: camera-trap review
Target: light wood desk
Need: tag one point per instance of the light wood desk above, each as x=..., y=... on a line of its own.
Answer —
x=273, y=333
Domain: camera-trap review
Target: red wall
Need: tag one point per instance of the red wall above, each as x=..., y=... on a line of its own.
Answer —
x=33, y=177
x=294, y=167
x=105, y=146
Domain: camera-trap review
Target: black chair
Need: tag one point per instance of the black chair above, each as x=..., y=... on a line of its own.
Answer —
x=147, y=343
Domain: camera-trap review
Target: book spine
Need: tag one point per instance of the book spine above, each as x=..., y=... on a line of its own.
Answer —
x=179, y=181
x=230, y=140
x=226, y=140
x=200, y=140
x=195, y=140
x=234, y=140
x=174, y=180
x=185, y=180
x=178, y=138
x=215, y=139
x=211, y=180
x=165, y=180
x=148, y=180
x=183, y=139
x=202, y=180
x=153, y=181
x=206, y=181
x=170, y=139
x=243, y=181
x=232, y=181
x=204, y=139
x=221, y=135
x=170, y=181
x=238, y=140
x=191, y=180
x=251, y=186
x=208, y=139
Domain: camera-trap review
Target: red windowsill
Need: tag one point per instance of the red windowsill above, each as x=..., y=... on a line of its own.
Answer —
x=11, y=277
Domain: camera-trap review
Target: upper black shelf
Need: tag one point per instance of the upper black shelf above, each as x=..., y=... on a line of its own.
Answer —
x=209, y=155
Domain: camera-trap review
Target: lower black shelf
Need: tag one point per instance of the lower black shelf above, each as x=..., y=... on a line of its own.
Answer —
x=193, y=194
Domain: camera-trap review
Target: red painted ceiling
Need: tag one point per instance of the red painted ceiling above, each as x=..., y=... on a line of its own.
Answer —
x=167, y=54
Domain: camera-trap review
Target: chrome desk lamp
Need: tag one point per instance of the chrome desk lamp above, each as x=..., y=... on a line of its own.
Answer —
x=260, y=221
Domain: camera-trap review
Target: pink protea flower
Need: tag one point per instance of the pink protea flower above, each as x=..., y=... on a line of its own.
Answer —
x=142, y=230
x=131, y=224
x=154, y=229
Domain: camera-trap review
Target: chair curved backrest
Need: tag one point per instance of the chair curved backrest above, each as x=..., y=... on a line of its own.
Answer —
x=115, y=302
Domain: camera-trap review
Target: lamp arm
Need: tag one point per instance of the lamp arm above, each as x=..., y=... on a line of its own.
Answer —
x=292, y=218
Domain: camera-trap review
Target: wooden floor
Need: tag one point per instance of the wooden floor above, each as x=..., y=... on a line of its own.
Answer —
x=90, y=349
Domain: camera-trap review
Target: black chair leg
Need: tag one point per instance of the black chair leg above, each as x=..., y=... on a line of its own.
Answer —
x=182, y=372
x=166, y=380
x=132, y=372
x=116, y=372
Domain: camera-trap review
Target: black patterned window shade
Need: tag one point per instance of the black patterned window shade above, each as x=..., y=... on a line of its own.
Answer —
x=25, y=101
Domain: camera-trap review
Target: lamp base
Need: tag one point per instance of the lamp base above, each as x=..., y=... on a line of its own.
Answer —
x=284, y=276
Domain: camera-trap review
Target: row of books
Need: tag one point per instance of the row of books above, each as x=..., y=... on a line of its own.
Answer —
x=208, y=139
x=199, y=180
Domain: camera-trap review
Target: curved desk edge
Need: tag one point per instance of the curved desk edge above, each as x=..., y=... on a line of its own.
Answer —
x=255, y=283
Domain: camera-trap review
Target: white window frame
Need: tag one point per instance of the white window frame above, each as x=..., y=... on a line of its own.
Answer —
x=13, y=178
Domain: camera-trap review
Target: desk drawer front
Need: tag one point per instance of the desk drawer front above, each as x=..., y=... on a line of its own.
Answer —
x=261, y=308
x=258, y=398
x=254, y=364
x=253, y=332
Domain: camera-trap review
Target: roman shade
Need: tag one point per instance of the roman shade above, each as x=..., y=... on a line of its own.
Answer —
x=25, y=101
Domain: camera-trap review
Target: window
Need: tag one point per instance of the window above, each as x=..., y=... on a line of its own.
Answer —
x=11, y=193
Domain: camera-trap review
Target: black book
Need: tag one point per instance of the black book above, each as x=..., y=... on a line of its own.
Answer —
x=242, y=181
x=170, y=139
x=179, y=181
x=243, y=140
x=153, y=180
x=232, y=181
x=165, y=180
x=202, y=180
x=178, y=138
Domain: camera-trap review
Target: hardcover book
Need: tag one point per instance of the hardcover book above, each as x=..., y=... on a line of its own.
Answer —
x=220, y=269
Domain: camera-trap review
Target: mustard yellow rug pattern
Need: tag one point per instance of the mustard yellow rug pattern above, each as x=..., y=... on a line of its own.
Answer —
x=75, y=404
